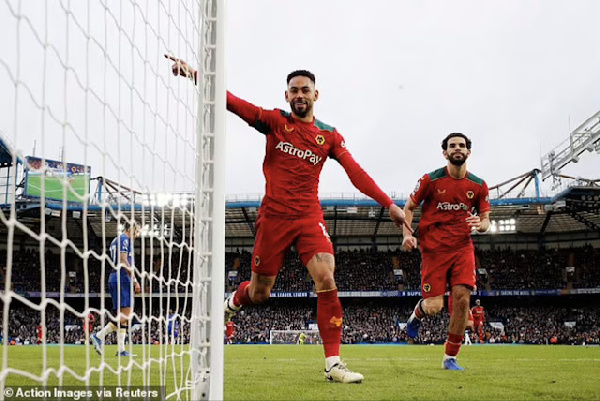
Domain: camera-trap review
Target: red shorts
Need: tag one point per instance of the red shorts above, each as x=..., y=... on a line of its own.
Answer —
x=275, y=236
x=478, y=322
x=438, y=269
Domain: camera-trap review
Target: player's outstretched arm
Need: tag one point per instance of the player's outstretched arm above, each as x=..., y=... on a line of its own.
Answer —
x=180, y=67
x=251, y=114
x=365, y=184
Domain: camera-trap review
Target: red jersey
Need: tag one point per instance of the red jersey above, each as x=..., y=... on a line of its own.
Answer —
x=229, y=329
x=478, y=313
x=88, y=322
x=40, y=332
x=295, y=154
x=446, y=203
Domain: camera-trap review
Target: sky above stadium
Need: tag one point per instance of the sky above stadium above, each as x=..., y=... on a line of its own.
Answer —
x=394, y=78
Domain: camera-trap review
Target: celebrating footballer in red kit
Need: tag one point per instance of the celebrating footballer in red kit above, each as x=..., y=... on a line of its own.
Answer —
x=297, y=145
x=453, y=203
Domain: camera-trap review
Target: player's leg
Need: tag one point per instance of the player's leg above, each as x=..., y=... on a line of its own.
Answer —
x=434, y=269
x=125, y=316
x=316, y=252
x=273, y=238
x=458, y=320
x=110, y=327
x=480, y=331
x=253, y=292
x=462, y=281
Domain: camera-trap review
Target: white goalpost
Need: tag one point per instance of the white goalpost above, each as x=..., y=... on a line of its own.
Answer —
x=96, y=133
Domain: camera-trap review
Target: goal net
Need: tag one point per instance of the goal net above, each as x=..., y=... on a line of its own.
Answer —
x=294, y=337
x=97, y=134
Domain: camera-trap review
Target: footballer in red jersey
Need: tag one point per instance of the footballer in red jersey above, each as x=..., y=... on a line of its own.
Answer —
x=454, y=202
x=229, y=331
x=478, y=318
x=88, y=324
x=297, y=146
x=40, y=334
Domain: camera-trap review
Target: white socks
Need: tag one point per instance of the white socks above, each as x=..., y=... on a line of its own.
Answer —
x=330, y=361
x=109, y=328
x=121, y=339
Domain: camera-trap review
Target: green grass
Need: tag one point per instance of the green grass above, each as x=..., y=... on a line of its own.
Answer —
x=414, y=373
x=294, y=372
x=54, y=188
x=30, y=359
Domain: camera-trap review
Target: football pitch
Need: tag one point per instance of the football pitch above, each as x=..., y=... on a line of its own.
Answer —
x=392, y=372
x=79, y=184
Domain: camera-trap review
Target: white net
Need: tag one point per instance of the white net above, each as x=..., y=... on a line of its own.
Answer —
x=301, y=337
x=114, y=138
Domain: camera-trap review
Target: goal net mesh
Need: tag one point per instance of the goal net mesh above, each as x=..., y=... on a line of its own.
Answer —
x=96, y=133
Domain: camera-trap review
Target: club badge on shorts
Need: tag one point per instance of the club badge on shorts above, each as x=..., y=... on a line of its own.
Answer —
x=256, y=260
x=426, y=287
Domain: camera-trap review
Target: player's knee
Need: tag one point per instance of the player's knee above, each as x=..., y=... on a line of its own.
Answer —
x=433, y=306
x=324, y=281
x=461, y=301
x=260, y=295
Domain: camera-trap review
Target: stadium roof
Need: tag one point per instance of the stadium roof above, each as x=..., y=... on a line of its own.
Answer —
x=566, y=212
x=576, y=209
x=6, y=158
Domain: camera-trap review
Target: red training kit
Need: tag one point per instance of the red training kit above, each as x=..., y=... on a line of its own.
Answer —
x=446, y=203
x=295, y=154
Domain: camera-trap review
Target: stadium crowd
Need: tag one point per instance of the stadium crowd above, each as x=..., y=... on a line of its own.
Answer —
x=365, y=321
x=363, y=270
x=371, y=322
x=358, y=270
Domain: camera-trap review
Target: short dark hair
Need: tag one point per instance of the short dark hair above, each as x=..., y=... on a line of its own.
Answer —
x=455, y=134
x=129, y=224
x=301, y=73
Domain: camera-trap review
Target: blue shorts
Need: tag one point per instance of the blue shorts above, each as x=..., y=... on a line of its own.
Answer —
x=125, y=295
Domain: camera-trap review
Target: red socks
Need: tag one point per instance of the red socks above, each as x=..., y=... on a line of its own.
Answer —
x=329, y=321
x=241, y=297
x=419, y=312
x=453, y=344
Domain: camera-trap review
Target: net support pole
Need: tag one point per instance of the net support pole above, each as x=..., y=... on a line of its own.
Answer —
x=209, y=209
x=217, y=288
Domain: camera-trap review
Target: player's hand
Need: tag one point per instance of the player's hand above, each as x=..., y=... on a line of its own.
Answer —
x=409, y=242
x=182, y=68
x=398, y=217
x=474, y=221
x=136, y=287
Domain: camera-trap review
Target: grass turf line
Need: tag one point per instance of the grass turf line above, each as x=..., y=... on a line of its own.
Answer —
x=286, y=372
